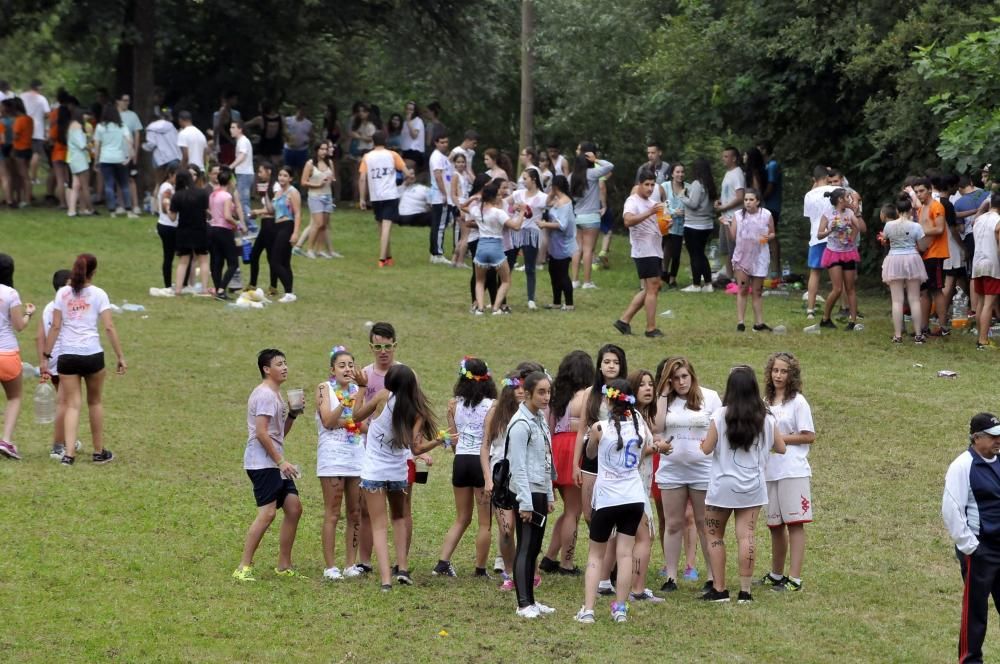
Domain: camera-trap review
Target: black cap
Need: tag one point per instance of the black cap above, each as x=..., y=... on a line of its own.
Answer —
x=984, y=423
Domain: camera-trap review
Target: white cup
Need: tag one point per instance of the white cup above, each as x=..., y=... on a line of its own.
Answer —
x=296, y=399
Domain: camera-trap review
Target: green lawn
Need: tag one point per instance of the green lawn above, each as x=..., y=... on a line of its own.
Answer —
x=131, y=561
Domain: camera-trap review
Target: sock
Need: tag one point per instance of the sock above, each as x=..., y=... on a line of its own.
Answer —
x=480, y=571
x=797, y=582
x=776, y=577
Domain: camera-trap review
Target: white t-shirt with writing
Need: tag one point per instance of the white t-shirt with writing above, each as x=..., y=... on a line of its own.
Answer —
x=618, y=480
x=469, y=423
x=793, y=417
x=379, y=167
x=245, y=167
x=687, y=464
x=264, y=401
x=80, y=313
x=645, y=236
x=414, y=199
x=190, y=137
x=384, y=461
x=9, y=298
x=338, y=452
x=737, y=478
x=440, y=162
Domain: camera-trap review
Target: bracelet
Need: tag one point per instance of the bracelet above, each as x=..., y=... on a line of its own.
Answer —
x=281, y=461
x=47, y=356
x=291, y=416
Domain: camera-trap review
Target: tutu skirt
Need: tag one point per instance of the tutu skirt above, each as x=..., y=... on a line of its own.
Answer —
x=834, y=257
x=903, y=266
x=563, y=445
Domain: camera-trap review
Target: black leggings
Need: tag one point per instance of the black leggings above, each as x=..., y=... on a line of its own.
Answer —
x=529, y=545
x=168, y=238
x=281, y=253
x=672, y=245
x=562, y=285
x=696, y=240
x=492, y=278
x=222, y=247
x=263, y=243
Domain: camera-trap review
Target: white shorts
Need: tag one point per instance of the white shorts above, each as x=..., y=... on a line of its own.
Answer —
x=789, y=502
x=695, y=486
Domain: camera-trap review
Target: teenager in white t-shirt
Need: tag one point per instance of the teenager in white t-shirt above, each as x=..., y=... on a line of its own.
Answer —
x=816, y=204
x=641, y=213
x=80, y=306
x=191, y=141
x=740, y=437
x=441, y=171
x=14, y=317
x=789, y=496
x=242, y=167
x=730, y=200
x=378, y=171
x=59, y=279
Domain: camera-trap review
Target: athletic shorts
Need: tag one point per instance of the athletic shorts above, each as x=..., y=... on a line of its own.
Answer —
x=623, y=518
x=386, y=210
x=387, y=485
x=815, y=260
x=467, y=472
x=986, y=286
x=648, y=266
x=789, y=502
x=10, y=365
x=270, y=487
x=607, y=221
x=957, y=272
x=38, y=146
x=935, y=274
x=80, y=365
x=23, y=154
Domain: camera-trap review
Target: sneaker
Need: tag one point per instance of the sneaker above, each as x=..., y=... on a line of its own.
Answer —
x=605, y=588
x=897, y=340
x=104, y=456
x=388, y=261
x=768, y=580
x=544, y=609
x=575, y=284
x=708, y=288
x=531, y=305
x=132, y=215
x=854, y=327
x=567, y=307
x=481, y=573
x=714, y=595
x=619, y=612
x=297, y=251
x=603, y=260
x=744, y=597
x=646, y=596
x=323, y=254
x=476, y=311
x=119, y=211
x=989, y=345
x=333, y=574
x=548, y=565
x=310, y=254
x=354, y=571
x=763, y=327
x=440, y=260
x=502, y=311
x=244, y=574
x=287, y=297
x=289, y=573
x=386, y=587
x=787, y=584
x=692, y=289
x=528, y=612
x=709, y=585
x=382, y=263
x=690, y=573
x=519, y=268
x=508, y=584
x=622, y=327
x=740, y=327
x=668, y=586
x=921, y=340
x=827, y=323
x=498, y=566
x=58, y=450
x=67, y=460
x=9, y=450
x=585, y=616
x=654, y=334
x=444, y=568
x=563, y=571
x=810, y=314
x=403, y=578
x=588, y=285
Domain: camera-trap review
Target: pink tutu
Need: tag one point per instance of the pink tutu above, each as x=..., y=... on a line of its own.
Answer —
x=903, y=266
x=833, y=257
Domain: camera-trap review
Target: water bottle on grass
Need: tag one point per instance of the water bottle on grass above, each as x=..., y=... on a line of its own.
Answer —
x=45, y=403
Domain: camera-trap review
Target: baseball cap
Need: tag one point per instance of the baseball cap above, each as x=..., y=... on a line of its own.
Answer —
x=984, y=423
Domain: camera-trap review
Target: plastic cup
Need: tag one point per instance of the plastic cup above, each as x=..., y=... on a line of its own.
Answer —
x=296, y=399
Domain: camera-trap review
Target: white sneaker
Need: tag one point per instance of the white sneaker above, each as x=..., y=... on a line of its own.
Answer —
x=528, y=612
x=332, y=574
x=440, y=260
x=543, y=609
x=819, y=298
x=288, y=297
x=310, y=254
x=585, y=616
x=335, y=254
x=576, y=284
x=353, y=572
x=588, y=285
x=605, y=588
x=132, y=215
x=708, y=288
x=519, y=268
x=531, y=305
x=498, y=565
x=323, y=254
x=688, y=289
x=119, y=211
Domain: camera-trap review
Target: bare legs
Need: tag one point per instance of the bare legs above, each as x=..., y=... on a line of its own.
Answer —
x=464, y=498
x=12, y=391
x=911, y=290
x=784, y=539
x=715, y=527
x=292, y=508
x=376, y=501
x=586, y=238
x=73, y=389
x=564, y=534
x=334, y=490
x=182, y=268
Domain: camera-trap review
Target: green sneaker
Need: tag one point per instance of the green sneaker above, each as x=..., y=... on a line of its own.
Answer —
x=244, y=574
x=787, y=585
x=290, y=572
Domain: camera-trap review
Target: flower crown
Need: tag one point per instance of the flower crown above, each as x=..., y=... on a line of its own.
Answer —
x=514, y=382
x=465, y=373
x=338, y=349
x=617, y=395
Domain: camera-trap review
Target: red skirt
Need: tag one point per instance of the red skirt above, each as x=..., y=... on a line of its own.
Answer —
x=563, y=446
x=654, y=490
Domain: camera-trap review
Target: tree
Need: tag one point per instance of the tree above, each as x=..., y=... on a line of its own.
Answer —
x=527, y=124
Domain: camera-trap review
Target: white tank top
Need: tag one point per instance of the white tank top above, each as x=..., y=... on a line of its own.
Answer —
x=384, y=462
x=338, y=452
x=469, y=422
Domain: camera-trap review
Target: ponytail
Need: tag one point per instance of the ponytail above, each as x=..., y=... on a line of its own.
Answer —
x=83, y=269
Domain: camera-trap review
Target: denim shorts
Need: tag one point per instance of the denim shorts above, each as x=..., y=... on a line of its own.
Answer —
x=387, y=485
x=588, y=220
x=489, y=252
x=320, y=203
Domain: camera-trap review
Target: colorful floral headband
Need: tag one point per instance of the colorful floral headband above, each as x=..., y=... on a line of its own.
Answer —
x=617, y=395
x=465, y=373
x=514, y=382
x=338, y=349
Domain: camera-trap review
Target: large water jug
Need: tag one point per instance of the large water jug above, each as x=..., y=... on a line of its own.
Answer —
x=45, y=403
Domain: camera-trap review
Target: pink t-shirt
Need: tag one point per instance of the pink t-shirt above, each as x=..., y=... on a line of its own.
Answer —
x=217, y=208
x=645, y=236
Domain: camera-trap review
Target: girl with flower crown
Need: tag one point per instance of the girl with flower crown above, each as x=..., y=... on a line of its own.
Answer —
x=474, y=394
x=618, y=443
x=338, y=458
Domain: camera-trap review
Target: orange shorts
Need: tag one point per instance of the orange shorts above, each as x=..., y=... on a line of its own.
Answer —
x=10, y=365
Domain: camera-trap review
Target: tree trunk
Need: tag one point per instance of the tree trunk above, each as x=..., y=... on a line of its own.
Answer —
x=527, y=136
x=143, y=55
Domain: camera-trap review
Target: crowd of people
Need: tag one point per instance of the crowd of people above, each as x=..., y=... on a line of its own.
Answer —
x=643, y=456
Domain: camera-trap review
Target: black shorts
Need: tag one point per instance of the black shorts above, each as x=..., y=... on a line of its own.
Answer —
x=80, y=365
x=587, y=464
x=850, y=266
x=24, y=155
x=935, y=274
x=648, y=266
x=957, y=272
x=386, y=210
x=623, y=518
x=467, y=472
x=270, y=487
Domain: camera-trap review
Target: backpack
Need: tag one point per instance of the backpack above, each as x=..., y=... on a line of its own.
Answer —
x=503, y=498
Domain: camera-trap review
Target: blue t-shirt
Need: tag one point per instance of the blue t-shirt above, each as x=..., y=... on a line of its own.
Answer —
x=966, y=202
x=773, y=202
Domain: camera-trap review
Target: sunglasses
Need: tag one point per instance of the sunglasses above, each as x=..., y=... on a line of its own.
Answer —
x=382, y=347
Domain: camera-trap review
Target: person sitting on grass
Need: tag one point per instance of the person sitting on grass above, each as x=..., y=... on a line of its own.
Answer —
x=264, y=460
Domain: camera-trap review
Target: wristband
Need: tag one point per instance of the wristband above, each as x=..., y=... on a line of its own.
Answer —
x=281, y=461
x=47, y=356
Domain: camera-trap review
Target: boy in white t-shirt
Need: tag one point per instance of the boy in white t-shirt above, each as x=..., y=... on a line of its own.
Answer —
x=377, y=175
x=242, y=167
x=647, y=251
x=268, y=422
x=731, y=200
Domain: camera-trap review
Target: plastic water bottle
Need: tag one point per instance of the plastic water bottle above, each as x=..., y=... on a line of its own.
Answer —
x=786, y=269
x=147, y=203
x=960, y=309
x=127, y=306
x=247, y=248
x=713, y=256
x=812, y=329
x=45, y=403
x=29, y=371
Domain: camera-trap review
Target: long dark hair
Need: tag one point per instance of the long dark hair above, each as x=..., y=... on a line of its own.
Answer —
x=648, y=411
x=594, y=400
x=473, y=390
x=619, y=409
x=745, y=410
x=410, y=405
x=83, y=269
x=505, y=407
x=578, y=178
x=576, y=372
x=329, y=153
x=6, y=271
x=110, y=115
x=754, y=167
x=398, y=129
x=701, y=171
x=64, y=115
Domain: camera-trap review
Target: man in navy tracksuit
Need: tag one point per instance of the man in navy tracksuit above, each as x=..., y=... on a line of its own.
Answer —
x=971, y=511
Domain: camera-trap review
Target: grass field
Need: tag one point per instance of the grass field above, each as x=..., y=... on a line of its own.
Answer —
x=132, y=561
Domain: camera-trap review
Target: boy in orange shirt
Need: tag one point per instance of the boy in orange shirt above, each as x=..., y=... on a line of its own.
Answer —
x=932, y=220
